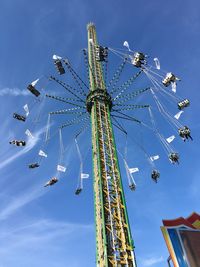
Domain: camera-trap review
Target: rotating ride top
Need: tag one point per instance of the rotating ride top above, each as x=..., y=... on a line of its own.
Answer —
x=105, y=104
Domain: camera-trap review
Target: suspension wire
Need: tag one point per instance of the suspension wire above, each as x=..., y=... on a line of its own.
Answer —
x=128, y=174
x=80, y=180
x=173, y=122
x=31, y=103
x=167, y=147
x=75, y=120
x=122, y=49
x=63, y=99
x=159, y=87
x=62, y=149
x=149, y=69
x=163, y=92
x=122, y=88
x=146, y=69
x=61, y=153
x=47, y=132
x=48, y=137
x=117, y=74
x=69, y=88
x=76, y=77
x=70, y=123
x=39, y=111
x=119, y=54
x=130, y=178
x=130, y=53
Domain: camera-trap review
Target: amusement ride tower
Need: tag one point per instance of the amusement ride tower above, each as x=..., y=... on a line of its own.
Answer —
x=114, y=244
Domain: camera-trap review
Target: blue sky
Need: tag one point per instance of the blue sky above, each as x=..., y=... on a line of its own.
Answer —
x=51, y=226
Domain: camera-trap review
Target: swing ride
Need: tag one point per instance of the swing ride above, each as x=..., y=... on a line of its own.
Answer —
x=107, y=104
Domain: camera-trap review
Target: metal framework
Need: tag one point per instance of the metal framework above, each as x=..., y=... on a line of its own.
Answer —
x=114, y=244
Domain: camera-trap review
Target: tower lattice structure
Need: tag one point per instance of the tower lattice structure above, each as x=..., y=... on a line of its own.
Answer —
x=114, y=244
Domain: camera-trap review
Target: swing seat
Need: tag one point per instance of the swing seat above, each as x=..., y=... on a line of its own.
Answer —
x=155, y=175
x=33, y=90
x=59, y=66
x=19, y=117
x=33, y=165
x=78, y=191
x=183, y=104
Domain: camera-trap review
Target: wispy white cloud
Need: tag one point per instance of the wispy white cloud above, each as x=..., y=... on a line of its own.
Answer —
x=18, y=202
x=151, y=261
x=48, y=238
x=46, y=229
x=13, y=92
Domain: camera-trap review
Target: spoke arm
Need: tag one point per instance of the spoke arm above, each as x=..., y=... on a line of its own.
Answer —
x=127, y=97
x=125, y=85
x=76, y=77
x=126, y=117
x=76, y=120
x=67, y=111
x=128, y=107
x=67, y=87
x=117, y=75
x=63, y=99
x=118, y=125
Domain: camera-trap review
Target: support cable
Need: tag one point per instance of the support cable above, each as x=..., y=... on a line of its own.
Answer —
x=126, y=117
x=69, y=88
x=76, y=77
x=125, y=85
x=118, y=125
x=66, y=111
x=65, y=100
x=128, y=107
x=76, y=120
x=117, y=74
x=127, y=97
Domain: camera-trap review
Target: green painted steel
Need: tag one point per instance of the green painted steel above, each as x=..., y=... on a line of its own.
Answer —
x=114, y=244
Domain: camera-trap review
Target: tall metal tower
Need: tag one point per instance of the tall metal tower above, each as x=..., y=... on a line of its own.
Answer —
x=114, y=244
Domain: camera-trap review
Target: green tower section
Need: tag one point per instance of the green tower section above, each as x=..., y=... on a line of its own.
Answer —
x=114, y=245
